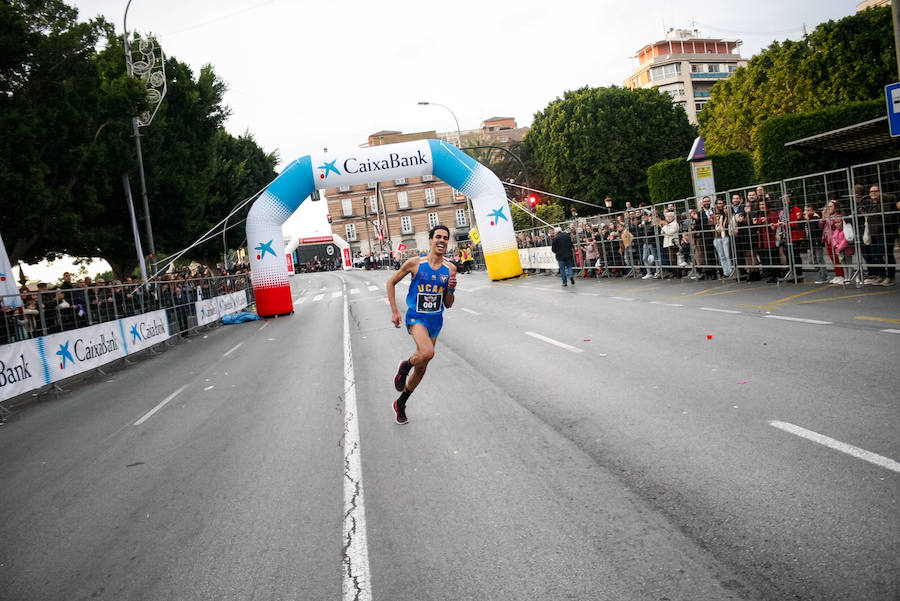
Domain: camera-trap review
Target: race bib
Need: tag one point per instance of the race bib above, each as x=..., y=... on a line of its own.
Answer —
x=428, y=303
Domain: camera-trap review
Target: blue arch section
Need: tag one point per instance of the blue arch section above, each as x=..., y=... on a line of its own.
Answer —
x=294, y=184
x=451, y=164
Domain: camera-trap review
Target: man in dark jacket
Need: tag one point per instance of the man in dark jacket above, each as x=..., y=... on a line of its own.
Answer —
x=562, y=248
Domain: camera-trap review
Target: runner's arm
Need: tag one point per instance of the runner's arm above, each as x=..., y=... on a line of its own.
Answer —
x=408, y=267
x=449, y=297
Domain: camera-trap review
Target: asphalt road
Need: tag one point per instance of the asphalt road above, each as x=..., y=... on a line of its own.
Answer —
x=621, y=440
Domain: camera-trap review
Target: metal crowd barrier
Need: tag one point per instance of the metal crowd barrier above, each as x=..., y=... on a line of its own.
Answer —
x=59, y=310
x=777, y=245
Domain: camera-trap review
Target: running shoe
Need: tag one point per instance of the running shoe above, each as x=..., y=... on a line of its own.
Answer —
x=400, y=378
x=400, y=412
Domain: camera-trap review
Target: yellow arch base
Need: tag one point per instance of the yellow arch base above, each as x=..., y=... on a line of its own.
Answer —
x=504, y=264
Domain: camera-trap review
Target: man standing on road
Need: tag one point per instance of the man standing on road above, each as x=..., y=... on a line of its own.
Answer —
x=430, y=291
x=562, y=248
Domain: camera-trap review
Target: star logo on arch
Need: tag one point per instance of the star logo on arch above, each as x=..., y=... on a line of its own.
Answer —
x=2, y=277
x=135, y=335
x=328, y=168
x=263, y=248
x=64, y=354
x=497, y=215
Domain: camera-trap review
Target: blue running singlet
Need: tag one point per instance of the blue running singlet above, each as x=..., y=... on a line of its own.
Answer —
x=425, y=299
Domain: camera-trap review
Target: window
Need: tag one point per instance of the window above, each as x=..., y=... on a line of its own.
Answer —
x=370, y=186
x=428, y=178
x=373, y=204
x=402, y=200
x=406, y=224
x=400, y=181
x=664, y=71
x=429, y=196
x=344, y=188
x=350, y=230
x=712, y=68
x=347, y=205
x=699, y=106
x=433, y=220
x=461, y=218
x=732, y=68
x=458, y=196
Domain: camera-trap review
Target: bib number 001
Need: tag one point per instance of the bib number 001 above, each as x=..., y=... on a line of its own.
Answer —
x=428, y=303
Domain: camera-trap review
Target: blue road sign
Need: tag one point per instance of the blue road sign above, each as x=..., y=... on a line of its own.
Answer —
x=892, y=93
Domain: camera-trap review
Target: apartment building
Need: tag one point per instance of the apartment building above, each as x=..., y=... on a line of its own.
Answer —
x=686, y=66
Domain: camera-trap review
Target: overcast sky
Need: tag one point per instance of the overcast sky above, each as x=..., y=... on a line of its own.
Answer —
x=304, y=75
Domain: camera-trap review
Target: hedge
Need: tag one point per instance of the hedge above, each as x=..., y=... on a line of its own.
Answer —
x=671, y=180
x=776, y=161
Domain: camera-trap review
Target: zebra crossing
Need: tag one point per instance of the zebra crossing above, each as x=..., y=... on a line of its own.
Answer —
x=361, y=293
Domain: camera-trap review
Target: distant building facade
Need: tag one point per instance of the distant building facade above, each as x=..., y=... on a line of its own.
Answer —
x=686, y=66
x=412, y=207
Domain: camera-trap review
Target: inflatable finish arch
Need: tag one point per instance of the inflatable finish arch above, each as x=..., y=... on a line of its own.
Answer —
x=378, y=163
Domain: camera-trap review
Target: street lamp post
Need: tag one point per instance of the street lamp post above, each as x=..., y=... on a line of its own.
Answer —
x=155, y=82
x=458, y=145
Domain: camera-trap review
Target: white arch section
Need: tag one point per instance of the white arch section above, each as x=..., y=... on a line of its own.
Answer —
x=359, y=166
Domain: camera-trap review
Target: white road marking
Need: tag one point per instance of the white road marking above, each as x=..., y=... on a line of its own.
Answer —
x=555, y=342
x=264, y=326
x=354, y=291
x=150, y=413
x=838, y=445
x=372, y=288
x=318, y=297
x=355, y=580
x=209, y=387
x=665, y=304
x=336, y=294
x=469, y=311
x=799, y=319
x=889, y=331
x=299, y=301
x=714, y=310
x=624, y=298
x=234, y=348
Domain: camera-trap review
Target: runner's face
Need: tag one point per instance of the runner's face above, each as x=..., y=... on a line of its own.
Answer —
x=439, y=241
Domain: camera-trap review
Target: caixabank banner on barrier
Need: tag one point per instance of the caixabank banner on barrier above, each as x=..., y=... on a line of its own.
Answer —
x=212, y=309
x=21, y=368
x=30, y=364
x=76, y=351
x=143, y=331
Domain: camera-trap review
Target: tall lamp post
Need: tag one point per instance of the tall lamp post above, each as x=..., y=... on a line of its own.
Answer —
x=458, y=145
x=154, y=77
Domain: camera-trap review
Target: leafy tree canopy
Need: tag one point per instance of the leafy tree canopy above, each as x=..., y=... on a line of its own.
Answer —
x=595, y=142
x=847, y=60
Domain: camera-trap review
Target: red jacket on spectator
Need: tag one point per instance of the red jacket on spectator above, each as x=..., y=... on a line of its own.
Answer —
x=766, y=233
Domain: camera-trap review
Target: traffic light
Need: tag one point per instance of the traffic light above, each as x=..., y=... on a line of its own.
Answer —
x=532, y=201
x=330, y=220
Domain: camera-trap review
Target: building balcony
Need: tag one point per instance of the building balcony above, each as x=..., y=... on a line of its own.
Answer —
x=709, y=75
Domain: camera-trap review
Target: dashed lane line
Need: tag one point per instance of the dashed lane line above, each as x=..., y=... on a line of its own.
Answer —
x=714, y=310
x=162, y=404
x=837, y=445
x=555, y=342
x=469, y=311
x=817, y=322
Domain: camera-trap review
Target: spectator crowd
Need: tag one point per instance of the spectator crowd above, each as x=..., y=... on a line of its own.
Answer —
x=85, y=302
x=760, y=237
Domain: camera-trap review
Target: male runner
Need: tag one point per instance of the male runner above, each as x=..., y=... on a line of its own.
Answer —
x=432, y=287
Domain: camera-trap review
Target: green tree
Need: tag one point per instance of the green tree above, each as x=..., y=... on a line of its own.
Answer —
x=847, y=60
x=240, y=170
x=53, y=107
x=179, y=152
x=594, y=142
